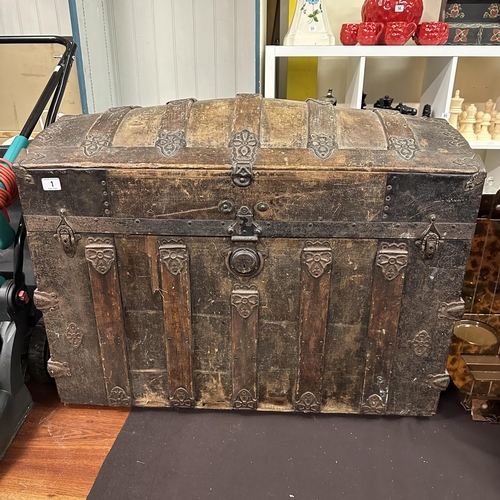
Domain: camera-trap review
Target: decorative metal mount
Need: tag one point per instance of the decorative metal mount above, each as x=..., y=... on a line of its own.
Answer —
x=476, y=180
x=169, y=143
x=451, y=310
x=308, y=403
x=100, y=252
x=74, y=335
x=317, y=256
x=377, y=402
x=244, y=146
x=174, y=254
x=421, y=343
x=181, y=399
x=94, y=143
x=244, y=228
x=429, y=241
x=118, y=397
x=244, y=400
x=66, y=236
x=45, y=301
x=322, y=145
x=245, y=299
x=374, y=404
x=405, y=147
x=392, y=257
x=438, y=382
x=58, y=369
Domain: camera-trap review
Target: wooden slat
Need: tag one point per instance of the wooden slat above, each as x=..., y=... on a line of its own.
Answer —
x=244, y=321
x=176, y=293
x=143, y=317
x=100, y=254
x=350, y=296
x=316, y=262
x=388, y=280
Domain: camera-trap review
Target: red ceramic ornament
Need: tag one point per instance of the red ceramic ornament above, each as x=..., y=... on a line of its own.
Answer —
x=431, y=34
x=398, y=33
x=383, y=11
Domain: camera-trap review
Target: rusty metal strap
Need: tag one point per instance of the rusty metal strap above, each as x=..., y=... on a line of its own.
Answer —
x=270, y=229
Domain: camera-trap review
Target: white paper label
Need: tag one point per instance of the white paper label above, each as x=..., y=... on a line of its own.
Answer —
x=313, y=28
x=51, y=184
x=445, y=115
x=399, y=8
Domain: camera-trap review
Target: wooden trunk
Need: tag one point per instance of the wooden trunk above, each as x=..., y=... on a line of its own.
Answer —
x=250, y=253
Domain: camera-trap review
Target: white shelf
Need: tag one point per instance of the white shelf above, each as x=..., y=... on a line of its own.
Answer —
x=438, y=82
x=382, y=51
x=484, y=144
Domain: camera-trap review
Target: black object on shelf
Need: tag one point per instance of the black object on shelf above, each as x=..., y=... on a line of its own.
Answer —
x=427, y=111
x=386, y=103
x=406, y=110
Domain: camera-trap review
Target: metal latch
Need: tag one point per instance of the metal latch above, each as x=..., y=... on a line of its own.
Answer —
x=244, y=228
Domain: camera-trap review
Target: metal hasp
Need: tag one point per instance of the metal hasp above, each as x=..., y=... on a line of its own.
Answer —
x=429, y=241
x=245, y=261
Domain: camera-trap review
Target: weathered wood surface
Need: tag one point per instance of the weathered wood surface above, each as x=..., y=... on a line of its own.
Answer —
x=316, y=261
x=176, y=296
x=326, y=322
x=100, y=254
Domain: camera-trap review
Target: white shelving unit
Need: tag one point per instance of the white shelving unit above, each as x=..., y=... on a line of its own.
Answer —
x=441, y=64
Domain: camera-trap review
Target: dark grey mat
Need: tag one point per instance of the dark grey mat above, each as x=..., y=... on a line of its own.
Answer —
x=168, y=454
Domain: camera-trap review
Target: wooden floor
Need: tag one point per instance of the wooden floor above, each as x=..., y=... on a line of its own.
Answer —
x=59, y=449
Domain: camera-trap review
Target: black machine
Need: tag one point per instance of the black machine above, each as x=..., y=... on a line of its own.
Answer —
x=23, y=344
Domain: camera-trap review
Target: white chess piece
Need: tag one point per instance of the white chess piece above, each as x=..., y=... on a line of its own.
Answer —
x=496, y=130
x=479, y=121
x=494, y=115
x=461, y=120
x=468, y=130
x=489, y=106
x=455, y=109
x=484, y=135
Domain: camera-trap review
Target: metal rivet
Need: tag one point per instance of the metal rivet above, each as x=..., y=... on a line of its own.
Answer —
x=384, y=216
x=189, y=222
x=387, y=198
x=106, y=203
x=226, y=206
x=107, y=212
x=353, y=224
x=105, y=193
x=262, y=206
x=386, y=208
x=484, y=406
x=137, y=221
x=309, y=225
x=103, y=183
x=389, y=187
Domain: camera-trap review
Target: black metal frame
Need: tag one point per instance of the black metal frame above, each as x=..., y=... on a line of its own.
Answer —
x=15, y=299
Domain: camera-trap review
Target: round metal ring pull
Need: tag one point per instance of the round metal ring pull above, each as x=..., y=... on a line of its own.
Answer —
x=244, y=261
